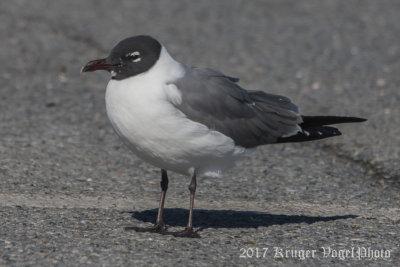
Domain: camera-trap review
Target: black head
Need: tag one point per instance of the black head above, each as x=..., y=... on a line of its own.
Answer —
x=128, y=58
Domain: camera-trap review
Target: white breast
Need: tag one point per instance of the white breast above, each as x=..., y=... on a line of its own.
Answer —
x=141, y=110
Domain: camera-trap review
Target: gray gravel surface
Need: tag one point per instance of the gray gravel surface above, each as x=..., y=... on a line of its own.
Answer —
x=68, y=186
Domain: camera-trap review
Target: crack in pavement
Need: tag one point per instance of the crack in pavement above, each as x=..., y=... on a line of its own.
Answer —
x=377, y=170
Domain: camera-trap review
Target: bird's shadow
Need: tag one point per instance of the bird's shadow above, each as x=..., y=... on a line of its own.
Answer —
x=229, y=218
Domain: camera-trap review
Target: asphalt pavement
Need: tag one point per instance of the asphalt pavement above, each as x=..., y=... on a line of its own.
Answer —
x=68, y=186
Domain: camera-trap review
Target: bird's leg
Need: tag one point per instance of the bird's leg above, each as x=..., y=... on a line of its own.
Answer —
x=188, y=232
x=164, y=187
x=159, y=227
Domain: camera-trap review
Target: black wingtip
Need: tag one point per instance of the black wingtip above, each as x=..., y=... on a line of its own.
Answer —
x=311, y=121
x=314, y=128
x=353, y=119
x=310, y=134
x=361, y=119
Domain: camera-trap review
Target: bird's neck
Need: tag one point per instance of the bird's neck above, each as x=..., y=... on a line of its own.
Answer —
x=166, y=69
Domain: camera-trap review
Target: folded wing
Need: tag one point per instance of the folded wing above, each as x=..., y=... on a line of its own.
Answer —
x=250, y=118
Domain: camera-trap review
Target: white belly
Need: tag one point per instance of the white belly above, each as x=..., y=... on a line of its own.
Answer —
x=157, y=132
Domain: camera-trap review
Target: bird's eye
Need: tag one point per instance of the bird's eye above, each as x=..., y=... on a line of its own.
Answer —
x=134, y=56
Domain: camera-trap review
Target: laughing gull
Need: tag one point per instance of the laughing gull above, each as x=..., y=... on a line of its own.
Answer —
x=194, y=121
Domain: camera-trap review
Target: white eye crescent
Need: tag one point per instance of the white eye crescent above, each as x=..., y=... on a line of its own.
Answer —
x=134, y=56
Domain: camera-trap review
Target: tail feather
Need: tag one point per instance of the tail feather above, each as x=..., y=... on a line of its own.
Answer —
x=314, y=128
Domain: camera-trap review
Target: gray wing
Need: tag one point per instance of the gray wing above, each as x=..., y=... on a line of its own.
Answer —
x=250, y=118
